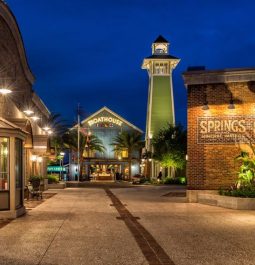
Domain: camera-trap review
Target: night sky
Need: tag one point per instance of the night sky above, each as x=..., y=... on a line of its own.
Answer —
x=91, y=51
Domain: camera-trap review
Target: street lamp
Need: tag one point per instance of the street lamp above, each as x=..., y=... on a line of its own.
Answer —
x=61, y=162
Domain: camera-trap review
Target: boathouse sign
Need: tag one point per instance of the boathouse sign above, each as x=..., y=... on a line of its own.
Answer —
x=226, y=129
x=104, y=119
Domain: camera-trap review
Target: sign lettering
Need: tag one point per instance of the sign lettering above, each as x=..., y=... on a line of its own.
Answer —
x=105, y=119
x=226, y=129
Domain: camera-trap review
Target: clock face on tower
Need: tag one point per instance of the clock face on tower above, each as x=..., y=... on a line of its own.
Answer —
x=160, y=48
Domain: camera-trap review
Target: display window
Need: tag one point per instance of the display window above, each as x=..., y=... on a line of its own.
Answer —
x=4, y=163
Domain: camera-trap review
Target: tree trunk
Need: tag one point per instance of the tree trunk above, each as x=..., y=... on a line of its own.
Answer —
x=80, y=164
x=130, y=168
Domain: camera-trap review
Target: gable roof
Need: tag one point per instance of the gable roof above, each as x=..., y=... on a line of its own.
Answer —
x=114, y=114
x=9, y=18
x=5, y=124
x=161, y=39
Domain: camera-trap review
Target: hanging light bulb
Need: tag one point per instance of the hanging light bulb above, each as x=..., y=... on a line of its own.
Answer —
x=5, y=91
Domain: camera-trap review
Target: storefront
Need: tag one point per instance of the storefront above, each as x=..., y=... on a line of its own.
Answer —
x=221, y=123
x=108, y=165
x=23, y=142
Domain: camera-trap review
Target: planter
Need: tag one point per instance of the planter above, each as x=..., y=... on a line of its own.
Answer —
x=60, y=185
x=45, y=182
x=213, y=198
x=236, y=202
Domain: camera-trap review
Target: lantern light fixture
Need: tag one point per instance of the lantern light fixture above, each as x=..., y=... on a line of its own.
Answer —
x=231, y=104
x=28, y=112
x=205, y=106
x=35, y=118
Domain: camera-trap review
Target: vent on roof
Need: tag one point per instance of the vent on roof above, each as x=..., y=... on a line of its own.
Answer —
x=196, y=68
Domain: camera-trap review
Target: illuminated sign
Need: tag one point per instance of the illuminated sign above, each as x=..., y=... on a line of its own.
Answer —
x=226, y=129
x=56, y=169
x=105, y=120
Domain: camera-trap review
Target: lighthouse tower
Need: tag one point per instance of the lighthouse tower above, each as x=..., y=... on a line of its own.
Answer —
x=160, y=107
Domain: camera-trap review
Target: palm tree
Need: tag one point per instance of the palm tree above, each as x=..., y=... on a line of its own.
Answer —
x=56, y=127
x=94, y=144
x=170, y=147
x=130, y=142
x=87, y=142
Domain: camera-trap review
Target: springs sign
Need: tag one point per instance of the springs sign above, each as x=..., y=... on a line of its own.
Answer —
x=226, y=129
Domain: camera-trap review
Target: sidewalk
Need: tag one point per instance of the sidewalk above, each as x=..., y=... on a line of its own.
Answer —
x=140, y=225
x=76, y=226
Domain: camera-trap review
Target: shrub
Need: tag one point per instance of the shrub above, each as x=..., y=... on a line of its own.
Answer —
x=246, y=174
x=182, y=180
x=144, y=180
x=246, y=192
x=175, y=181
x=52, y=179
x=35, y=178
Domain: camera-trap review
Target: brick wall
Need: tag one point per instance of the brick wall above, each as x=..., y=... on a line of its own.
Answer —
x=211, y=166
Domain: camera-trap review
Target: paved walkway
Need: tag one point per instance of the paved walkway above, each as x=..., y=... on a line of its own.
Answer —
x=79, y=226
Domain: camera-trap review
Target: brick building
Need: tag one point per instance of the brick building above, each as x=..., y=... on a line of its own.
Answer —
x=221, y=122
x=23, y=143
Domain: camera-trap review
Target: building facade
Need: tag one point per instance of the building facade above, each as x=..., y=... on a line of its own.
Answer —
x=221, y=123
x=160, y=106
x=23, y=143
x=108, y=165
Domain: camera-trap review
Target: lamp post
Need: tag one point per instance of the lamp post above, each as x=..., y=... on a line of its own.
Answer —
x=61, y=162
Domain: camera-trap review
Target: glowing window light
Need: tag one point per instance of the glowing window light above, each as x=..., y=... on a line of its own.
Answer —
x=5, y=91
x=39, y=159
x=33, y=158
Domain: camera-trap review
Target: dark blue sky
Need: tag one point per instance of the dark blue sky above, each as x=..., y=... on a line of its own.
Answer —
x=91, y=51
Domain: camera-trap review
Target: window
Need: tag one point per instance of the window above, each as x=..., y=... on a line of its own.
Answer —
x=18, y=162
x=4, y=163
x=124, y=153
x=18, y=172
x=161, y=68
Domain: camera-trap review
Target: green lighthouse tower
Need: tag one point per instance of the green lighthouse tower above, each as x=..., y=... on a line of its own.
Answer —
x=160, y=107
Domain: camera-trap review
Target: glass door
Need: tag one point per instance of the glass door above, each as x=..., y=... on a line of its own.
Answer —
x=19, y=172
x=4, y=173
